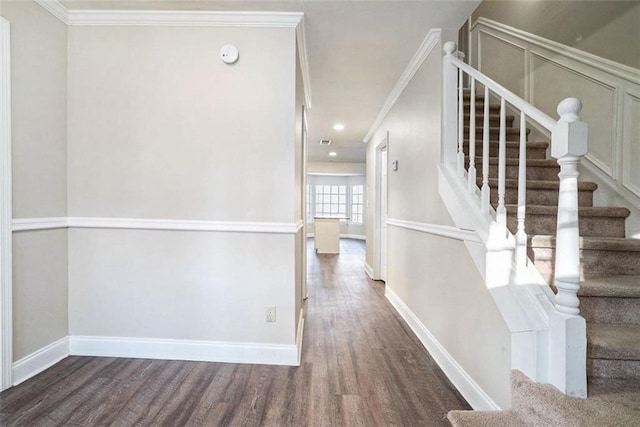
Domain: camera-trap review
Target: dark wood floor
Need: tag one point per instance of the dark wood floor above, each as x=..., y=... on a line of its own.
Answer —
x=361, y=366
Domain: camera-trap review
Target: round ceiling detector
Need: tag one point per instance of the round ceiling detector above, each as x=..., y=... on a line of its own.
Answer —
x=229, y=54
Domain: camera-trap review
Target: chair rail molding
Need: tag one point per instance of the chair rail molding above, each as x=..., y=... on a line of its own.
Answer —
x=27, y=224
x=437, y=230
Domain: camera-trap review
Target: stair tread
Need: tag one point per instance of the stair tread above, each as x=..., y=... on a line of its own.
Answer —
x=613, y=341
x=596, y=211
x=544, y=185
x=592, y=243
x=610, y=286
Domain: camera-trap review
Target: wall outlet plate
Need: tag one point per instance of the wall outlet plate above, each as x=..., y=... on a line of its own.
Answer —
x=270, y=313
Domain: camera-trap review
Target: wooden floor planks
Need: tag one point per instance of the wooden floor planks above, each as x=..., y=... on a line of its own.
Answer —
x=361, y=366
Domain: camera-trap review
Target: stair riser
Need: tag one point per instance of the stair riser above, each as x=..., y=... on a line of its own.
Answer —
x=540, y=197
x=537, y=173
x=493, y=108
x=511, y=152
x=611, y=368
x=493, y=121
x=610, y=310
x=511, y=134
x=593, y=262
x=589, y=226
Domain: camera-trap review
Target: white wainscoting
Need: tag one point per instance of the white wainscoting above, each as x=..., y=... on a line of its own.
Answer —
x=469, y=389
x=544, y=72
x=40, y=360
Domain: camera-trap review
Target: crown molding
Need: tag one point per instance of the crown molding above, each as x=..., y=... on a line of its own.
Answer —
x=429, y=42
x=168, y=18
x=55, y=8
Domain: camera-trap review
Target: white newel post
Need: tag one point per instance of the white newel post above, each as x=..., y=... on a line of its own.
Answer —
x=568, y=328
x=449, y=146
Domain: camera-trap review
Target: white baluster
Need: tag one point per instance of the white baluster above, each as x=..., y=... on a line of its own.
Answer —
x=460, y=126
x=501, y=211
x=449, y=145
x=521, y=235
x=472, y=137
x=486, y=192
x=568, y=145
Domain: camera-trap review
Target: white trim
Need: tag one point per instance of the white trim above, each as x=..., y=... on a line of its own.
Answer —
x=304, y=65
x=40, y=360
x=6, y=299
x=369, y=270
x=179, y=18
x=55, y=8
x=353, y=236
x=300, y=335
x=610, y=67
x=25, y=224
x=183, y=18
x=436, y=229
x=470, y=390
x=169, y=349
x=430, y=42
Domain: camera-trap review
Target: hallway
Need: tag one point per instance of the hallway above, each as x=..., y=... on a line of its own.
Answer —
x=361, y=365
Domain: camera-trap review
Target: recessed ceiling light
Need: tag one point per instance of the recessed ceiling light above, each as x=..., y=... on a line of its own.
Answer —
x=333, y=153
x=338, y=126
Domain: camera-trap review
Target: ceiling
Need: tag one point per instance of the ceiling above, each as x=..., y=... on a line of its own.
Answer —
x=356, y=49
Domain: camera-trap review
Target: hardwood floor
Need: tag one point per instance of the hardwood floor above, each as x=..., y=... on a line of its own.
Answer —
x=361, y=366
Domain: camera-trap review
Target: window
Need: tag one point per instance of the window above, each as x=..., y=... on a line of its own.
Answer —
x=331, y=200
x=309, y=213
x=357, y=203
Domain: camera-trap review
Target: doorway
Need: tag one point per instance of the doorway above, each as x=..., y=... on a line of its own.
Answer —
x=380, y=232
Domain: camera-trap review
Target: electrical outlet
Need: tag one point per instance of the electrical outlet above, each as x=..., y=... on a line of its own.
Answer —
x=270, y=313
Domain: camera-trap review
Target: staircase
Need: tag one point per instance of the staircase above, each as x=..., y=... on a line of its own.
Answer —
x=610, y=263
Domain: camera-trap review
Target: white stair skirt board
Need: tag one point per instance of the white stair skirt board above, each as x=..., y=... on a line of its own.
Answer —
x=469, y=389
x=201, y=351
x=40, y=360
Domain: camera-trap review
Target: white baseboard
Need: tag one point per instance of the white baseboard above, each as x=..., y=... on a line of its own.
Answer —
x=343, y=236
x=39, y=360
x=353, y=236
x=202, y=351
x=369, y=270
x=469, y=389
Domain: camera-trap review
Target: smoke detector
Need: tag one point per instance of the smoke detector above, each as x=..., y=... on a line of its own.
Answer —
x=325, y=142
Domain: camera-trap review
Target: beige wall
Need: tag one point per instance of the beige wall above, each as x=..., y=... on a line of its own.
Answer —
x=39, y=161
x=435, y=276
x=160, y=127
x=610, y=29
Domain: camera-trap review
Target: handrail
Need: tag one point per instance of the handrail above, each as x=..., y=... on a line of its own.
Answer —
x=536, y=114
x=506, y=254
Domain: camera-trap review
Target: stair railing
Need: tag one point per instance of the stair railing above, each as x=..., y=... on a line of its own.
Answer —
x=567, y=330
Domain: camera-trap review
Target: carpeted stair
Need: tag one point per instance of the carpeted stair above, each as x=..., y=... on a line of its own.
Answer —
x=536, y=404
x=610, y=292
